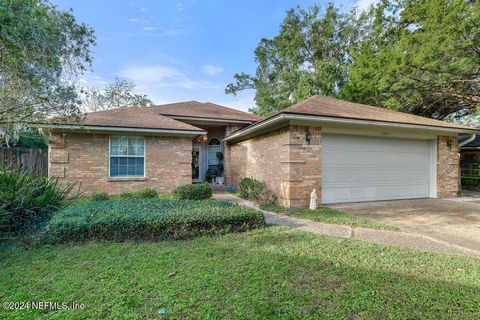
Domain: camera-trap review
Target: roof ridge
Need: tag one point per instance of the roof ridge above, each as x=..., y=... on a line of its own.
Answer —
x=228, y=108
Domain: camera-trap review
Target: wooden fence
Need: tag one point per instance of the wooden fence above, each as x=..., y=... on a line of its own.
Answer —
x=31, y=160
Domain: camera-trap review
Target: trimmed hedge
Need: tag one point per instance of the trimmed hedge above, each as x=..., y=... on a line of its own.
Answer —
x=148, y=219
x=258, y=191
x=196, y=191
x=141, y=193
x=99, y=196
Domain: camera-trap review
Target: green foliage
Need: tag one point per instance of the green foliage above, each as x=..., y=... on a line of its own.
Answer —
x=420, y=57
x=26, y=138
x=308, y=56
x=148, y=219
x=195, y=191
x=255, y=190
x=141, y=193
x=42, y=49
x=28, y=200
x=120, y=93
x=99, y=196
x=267, y=273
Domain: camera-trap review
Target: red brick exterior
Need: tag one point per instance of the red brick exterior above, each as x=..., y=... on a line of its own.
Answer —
x=283, y=159
x=289, y=165
x=448, y=166
x=84, y=158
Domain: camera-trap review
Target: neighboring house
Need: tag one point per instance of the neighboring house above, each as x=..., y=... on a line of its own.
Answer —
x=469, y=147
x=346, y=151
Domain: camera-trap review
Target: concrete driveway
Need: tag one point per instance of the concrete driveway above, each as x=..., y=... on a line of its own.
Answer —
x=456, y=222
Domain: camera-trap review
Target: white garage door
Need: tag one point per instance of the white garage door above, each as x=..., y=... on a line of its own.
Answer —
x=356, y=168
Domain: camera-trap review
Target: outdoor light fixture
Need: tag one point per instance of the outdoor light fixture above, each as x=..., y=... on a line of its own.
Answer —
x=308, y=137
x=449, y=143
x=205, y=138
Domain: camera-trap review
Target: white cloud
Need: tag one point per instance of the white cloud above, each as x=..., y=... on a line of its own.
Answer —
x=211, y=70
x=180, y=6
x=364, y=4
x=89, y=79
x=148, y=29
x=137, y=20
x=142, y=9
x=175, y=32
x=152, y=77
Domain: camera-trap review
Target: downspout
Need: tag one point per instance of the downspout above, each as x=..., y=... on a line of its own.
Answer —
x=472, y=137
x=461, y=144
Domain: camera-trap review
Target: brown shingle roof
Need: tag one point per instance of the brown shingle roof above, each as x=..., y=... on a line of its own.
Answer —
x=203, y=110
x=132, y=117
x=330, y=107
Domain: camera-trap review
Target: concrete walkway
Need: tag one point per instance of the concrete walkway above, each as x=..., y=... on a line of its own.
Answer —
x=385, y=237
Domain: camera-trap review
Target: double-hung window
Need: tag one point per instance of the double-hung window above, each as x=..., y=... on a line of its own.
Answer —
x=127, y=157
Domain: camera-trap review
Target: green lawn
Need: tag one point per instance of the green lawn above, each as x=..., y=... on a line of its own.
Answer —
x=328, y=215
x=267, y=273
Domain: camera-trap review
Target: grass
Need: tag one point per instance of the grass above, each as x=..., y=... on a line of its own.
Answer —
x=267, y=273
x=328, y=215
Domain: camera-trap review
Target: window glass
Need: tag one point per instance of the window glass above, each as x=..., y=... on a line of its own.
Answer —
x=127, y=156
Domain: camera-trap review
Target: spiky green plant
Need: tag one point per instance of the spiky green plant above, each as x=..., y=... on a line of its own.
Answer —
x=29, y=199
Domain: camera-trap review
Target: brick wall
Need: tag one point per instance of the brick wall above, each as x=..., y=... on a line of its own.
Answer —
x=448, y=166
x=289, y=165
x=84, y=158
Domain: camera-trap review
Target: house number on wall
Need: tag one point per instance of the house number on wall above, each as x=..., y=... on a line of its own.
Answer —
x=385, y=133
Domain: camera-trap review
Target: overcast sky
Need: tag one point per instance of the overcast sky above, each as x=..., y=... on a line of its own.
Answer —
x=181, y=50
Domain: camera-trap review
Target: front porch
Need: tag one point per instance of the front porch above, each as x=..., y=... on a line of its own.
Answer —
x=208, y=156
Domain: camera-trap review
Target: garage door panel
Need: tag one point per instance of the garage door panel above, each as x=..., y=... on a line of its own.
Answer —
x=356, y=168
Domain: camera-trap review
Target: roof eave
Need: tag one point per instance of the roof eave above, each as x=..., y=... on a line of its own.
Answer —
x=336, y=120
x=154, y=131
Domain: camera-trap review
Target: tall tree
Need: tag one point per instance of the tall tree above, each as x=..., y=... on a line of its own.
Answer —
x=42, y=50
x=309, y=56
x=119, y=93
x=421, y=57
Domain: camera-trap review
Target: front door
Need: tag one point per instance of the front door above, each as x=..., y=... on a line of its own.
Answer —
x=195, y=164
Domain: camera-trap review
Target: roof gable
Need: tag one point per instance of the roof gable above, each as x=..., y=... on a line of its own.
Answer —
x=209, y=110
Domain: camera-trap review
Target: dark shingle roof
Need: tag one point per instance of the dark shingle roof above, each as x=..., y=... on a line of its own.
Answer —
x=330, y=107
x=131, y=117
x=204, y=110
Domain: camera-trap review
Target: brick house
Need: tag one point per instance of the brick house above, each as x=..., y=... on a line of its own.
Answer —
x=348, y=152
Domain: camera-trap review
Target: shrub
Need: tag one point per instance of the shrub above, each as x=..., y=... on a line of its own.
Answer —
x=141, y=193
x=148, y=219
x=29, y=199
x=196, y=191
x=99, y=196
x=255, y=190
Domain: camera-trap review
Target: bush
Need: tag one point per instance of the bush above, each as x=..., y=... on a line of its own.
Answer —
x=28, y=200
x=99, y=196
x=148, y=219
x=255, y=190
x=141, y=193
x=196, y=191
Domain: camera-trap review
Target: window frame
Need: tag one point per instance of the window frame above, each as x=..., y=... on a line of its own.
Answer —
x=110, y=157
